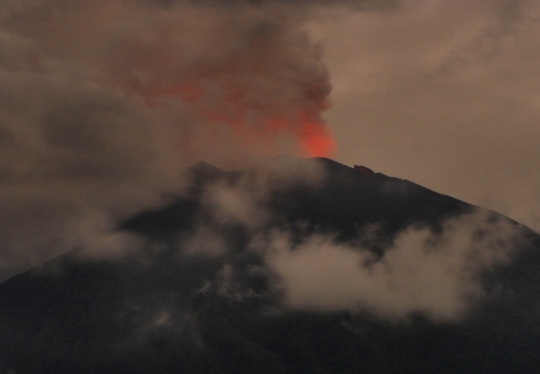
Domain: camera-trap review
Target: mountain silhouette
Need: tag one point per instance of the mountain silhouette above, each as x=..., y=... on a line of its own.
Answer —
x=198, y=298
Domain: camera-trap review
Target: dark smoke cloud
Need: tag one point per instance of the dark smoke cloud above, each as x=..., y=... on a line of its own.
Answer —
x=103, y=104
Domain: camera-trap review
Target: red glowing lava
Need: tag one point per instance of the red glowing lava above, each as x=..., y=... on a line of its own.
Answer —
x=244, y=84
x=230, y=113
x=315, y=138
x=255, y=130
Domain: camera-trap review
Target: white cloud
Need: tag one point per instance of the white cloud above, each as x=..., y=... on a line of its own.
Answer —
x=437, y=275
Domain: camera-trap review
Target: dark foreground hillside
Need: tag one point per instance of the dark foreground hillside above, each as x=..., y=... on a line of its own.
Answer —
x=161, y=309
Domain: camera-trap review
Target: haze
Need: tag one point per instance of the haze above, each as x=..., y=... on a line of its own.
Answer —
x=443, y=93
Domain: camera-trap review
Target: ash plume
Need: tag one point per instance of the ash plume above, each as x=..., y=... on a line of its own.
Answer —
x=102, y=104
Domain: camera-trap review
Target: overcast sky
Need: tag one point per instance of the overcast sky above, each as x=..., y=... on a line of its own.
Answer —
x=442, y=93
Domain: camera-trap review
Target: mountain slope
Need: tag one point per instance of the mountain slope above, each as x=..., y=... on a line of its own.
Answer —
x=201, y=295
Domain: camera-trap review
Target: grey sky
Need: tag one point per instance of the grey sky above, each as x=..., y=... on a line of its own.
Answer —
x=443, y=93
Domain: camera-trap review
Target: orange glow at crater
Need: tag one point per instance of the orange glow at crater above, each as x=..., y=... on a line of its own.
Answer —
x=315, y=138
x=245, y=84
x=258, y=130
x=229, y=116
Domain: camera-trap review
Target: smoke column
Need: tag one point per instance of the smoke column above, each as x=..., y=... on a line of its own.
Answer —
x=241, y=80
x=104, y=103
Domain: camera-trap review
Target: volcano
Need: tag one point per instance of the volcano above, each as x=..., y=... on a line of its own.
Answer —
x=211, y=290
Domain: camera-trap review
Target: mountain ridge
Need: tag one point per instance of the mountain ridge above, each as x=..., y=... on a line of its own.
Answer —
x=201, y=297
